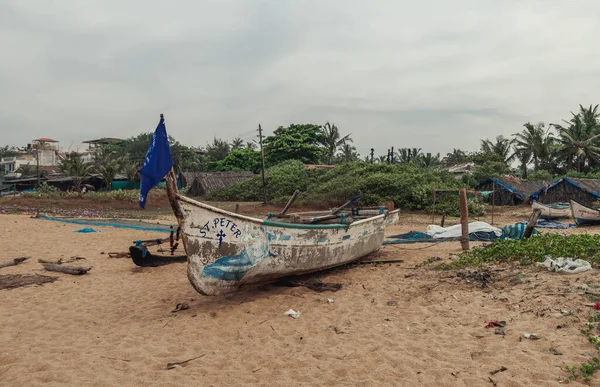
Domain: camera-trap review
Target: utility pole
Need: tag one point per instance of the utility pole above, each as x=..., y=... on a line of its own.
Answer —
x=262, y=155
x=372, y=154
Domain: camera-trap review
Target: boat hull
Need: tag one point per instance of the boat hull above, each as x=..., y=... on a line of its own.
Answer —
x=548, y=212
x=584, y=215
x=227, y=251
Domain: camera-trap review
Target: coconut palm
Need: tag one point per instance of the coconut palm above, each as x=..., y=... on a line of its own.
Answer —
x=331, y=140
x=429, y=160
x=534, y=141
x=75, y=167
x=457, y=156
x=579, y=142
x=348, y=154
x=237, y=144
x=502, y=147
x=406, y=155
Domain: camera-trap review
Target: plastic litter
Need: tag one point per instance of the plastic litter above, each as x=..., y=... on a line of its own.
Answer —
x=566, y=265
x=292, y=313
x=330, y=300
x=530, y=336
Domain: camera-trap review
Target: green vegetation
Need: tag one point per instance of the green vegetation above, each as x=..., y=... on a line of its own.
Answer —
x=532, y=250
x=408, y=186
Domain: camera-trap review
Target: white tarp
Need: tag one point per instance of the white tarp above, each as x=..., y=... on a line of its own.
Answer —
x=566, y=265
x=456, y=231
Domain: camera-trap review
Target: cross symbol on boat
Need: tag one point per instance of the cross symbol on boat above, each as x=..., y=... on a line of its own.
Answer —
x=221, y=235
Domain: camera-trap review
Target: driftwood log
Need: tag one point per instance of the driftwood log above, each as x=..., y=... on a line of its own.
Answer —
x=13, y=262
x=73, y=270
x=60, y=260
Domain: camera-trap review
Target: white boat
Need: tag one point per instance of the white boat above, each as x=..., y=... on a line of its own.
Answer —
x=226, y=251
x=553, y=211
x=584, y=215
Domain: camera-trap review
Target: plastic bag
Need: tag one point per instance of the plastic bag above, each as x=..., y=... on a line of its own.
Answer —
x=566, y=265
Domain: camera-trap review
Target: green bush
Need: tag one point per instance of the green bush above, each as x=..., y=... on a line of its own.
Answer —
x=282, y=180
x=408, y=186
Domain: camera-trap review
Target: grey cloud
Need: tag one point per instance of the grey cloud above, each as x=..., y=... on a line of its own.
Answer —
x=436, y=75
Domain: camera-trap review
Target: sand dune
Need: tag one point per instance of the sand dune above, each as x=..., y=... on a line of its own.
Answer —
x=389, y=325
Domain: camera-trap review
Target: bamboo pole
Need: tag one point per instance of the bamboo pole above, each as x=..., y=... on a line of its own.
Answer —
x=464, y=219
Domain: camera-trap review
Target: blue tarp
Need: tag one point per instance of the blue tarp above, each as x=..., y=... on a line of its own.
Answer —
x=119, y=223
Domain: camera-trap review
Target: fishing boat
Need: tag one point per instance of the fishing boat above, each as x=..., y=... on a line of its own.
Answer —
x=227, y=251
x=553, y=211
x=584, y=215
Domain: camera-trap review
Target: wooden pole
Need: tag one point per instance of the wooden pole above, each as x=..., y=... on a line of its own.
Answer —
x=464, y=219
x=289, y=203
x=237, y=208
x=493, y=190
x=443, y=219
x=532, y=222
x=262, y=155
x=433, y=210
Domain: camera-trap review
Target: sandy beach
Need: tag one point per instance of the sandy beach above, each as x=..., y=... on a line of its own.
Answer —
x=401, y=324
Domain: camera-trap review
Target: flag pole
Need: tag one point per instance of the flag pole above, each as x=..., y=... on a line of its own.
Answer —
x=172, y=190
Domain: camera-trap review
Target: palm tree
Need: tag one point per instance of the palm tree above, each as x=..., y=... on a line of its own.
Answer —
x=237, y=144
x=381, y=159
x=524, y=156
x=348, y=153
x=578, y=142
x=457, y=156
x=75, y=167
x=406, y=155
x=332, y=140
x=534, y=141
x=430, y=161
x=501, y=148
x=218, y=150
x=108, y=165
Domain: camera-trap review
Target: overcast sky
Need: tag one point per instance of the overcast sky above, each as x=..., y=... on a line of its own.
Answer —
x=432, y=74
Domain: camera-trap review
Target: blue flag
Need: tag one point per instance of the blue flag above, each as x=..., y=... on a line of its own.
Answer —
x=158, y=161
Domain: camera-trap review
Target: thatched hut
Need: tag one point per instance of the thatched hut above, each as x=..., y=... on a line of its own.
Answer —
x=583, y=191
x=205, y=182
x=507, y=191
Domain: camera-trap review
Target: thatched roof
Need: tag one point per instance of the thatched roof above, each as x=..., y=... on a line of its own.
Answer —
x=521, y=188
x=590, y=186
x=205, y=182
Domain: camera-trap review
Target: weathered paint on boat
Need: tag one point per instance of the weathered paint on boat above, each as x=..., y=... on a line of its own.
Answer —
x=226, y=250
x=550, y=212
x=584, y=215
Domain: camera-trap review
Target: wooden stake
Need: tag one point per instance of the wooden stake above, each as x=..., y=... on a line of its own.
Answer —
x=532, y=222
x=443, y=219
x=433, y=210
x=493, y=190
x=237, y=208
x=289, y=203
x=464, y=219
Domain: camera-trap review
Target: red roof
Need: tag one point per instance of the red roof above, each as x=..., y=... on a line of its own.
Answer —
x=44, y=139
